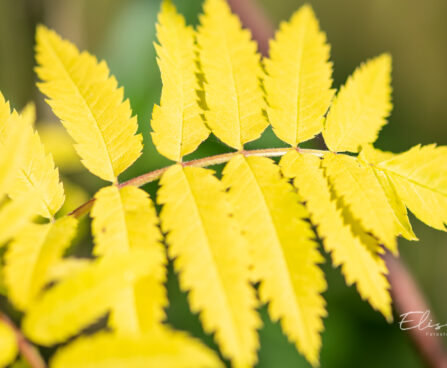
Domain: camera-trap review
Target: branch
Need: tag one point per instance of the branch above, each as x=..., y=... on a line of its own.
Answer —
x=254, y=18
x=201, y=162
x=407, y=298
x=27, y=350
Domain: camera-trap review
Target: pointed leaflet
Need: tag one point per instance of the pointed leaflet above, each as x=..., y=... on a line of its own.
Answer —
x=360, y=189
x=15, y=214
x=204, y=239
x=420, y=179
x=8, y=344
x=298, y=81
x=123, y=220
x=35, y=169
x=82, y=298
x=361, y=107
x=358, y=263
x=284, y=257
x=87, y=100
x=161, y=348
x=371, y=156
x=37, y=173
x=15, y=138
x=232, y=71
x=177, y=122
x=37, y=248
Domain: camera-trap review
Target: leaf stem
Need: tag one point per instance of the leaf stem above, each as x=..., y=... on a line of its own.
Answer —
x=27, y=350
x=201, y=162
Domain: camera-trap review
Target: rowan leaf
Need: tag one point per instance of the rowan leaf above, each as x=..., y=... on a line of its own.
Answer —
x=80, y=299
x=232, y=72
x=89, y=104
x=125, y=220
x=204, y=239
x=361, y=107
x=283, y=252
x=360, y=189
x=298, y=81
x=160, y=348
x=37, y=248
x=419, y=177
x=359, y=263
x=178, y=127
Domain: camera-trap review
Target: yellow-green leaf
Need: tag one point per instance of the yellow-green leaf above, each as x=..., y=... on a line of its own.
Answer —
x=419, y=176
x=89, y=104
x=37, y=173
x=359, y=264
x=360, y=189
x=124, y=220
x=8, y=344
x=210, y=256
x=82, y=298
x=15, y=137
x=298, y=81
x=232, y=70
x=283, y=254
x=161, y=349
x=361, y=107
x=15, y=214
x=37, y=248
x=177, y=124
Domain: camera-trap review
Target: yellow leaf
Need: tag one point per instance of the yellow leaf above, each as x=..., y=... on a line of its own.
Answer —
x=359, y=264
x=82, y=298
x=298, y=81
x=283, y=254
x=37, y=248
x=65, y=267
x=89, y=104
x=360, y=189
x=361, y=107
x=211, y=259
x=177, y=122
x=37, y=173
x=15, y=214
x=8, y=344
x=232, y=72
x=124, y=220
x=15, y=138
x=420, y=179
x=160, y=349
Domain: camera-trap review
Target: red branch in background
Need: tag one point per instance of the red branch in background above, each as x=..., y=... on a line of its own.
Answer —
x=406, y=295
x=29, y=353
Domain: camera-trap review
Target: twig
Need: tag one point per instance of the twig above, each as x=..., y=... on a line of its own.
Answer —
x=27, y=350
x=408, y=298
x=201, y=162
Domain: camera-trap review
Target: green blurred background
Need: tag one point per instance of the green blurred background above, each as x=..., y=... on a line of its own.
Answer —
x=413, y=31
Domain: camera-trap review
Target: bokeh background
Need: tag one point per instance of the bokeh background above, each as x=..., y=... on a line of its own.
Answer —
x=123, y=31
